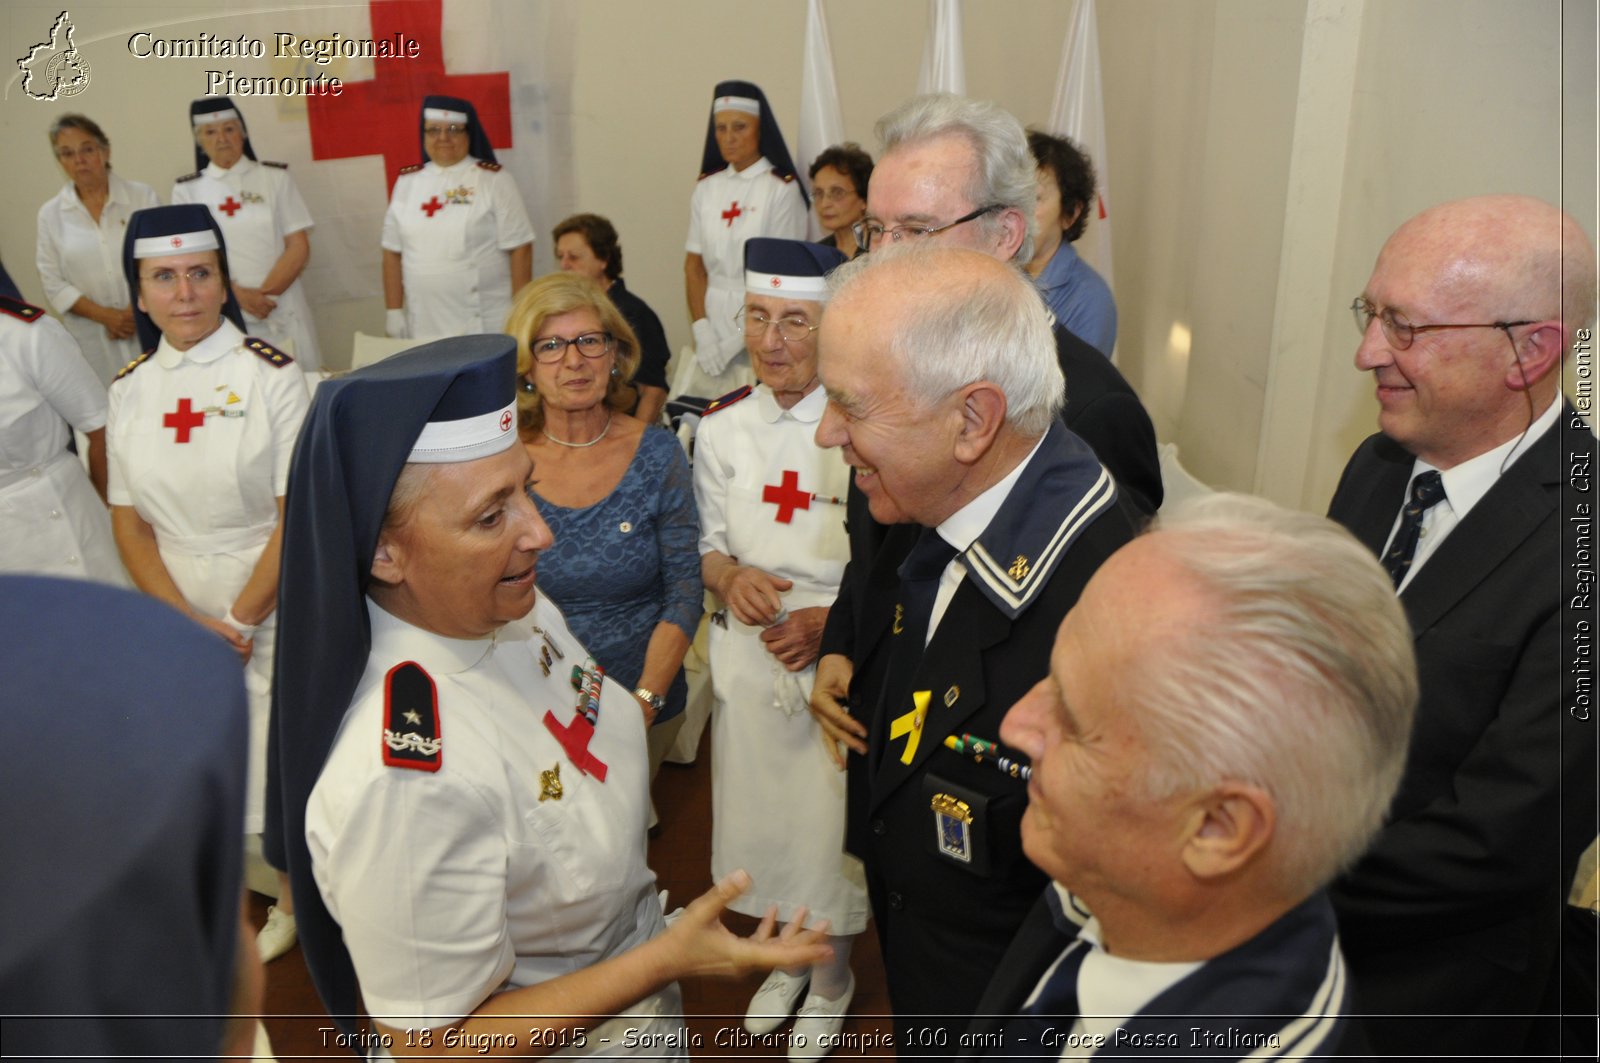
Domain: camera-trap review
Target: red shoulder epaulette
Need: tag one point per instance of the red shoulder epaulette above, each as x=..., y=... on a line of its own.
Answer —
x=411, y=736
x=411, y=169
x=276, y=165
x=724, y=401
x=492, y=167
x=136, y=363
x=267, y=352
x=188, y=177
x=20, y=310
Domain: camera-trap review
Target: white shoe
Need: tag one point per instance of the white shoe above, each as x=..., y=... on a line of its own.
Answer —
x=816, y=1030
x=774, y=1002
x=277, y=934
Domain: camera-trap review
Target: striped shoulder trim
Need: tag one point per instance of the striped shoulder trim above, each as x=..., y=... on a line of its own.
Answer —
x=724, y=401
x=275, y=165
x=136, y=363
x=1016, y=594
x=411, y=169
x=188, y=177
x=22, y=311
x=1315, y=1032
x=492, y=167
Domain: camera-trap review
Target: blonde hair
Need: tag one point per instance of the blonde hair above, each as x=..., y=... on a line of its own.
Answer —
x=551, y=296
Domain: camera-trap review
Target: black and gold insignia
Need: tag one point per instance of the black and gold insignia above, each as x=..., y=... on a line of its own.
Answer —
x=411, y=736
x=267, y=352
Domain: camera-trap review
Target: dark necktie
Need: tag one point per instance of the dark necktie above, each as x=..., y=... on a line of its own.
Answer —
x=1427, y=491
x=919, y=585
x=1055, y=1008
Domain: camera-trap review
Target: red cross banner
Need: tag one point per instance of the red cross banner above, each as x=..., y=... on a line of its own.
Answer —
x=343, y=152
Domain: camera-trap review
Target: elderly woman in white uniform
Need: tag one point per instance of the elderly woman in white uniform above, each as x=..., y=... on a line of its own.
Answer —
x=53, y=519
x=747, y=188
x=199, y=436
x=464, y=794
x=265, y=222
x=79, y=250
x=773, y=549
x=457, y=243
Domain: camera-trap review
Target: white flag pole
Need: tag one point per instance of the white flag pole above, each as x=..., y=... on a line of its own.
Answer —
x=821, y=120
x=944, y=68
x=1079, y=114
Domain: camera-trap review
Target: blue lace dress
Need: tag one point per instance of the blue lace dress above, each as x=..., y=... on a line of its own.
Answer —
x=628, y=562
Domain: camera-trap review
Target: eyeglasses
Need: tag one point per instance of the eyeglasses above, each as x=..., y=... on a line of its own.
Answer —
x=88, y=151
x=1402, y=333
x=868, y=233
x=434, y=132
x=167, y=279
x=836, y=192
x=552, y=349
x=793, y=328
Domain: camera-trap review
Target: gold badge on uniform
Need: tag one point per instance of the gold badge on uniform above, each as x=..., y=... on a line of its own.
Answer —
x=1019, y=568
x=951, y=695
x=952, y=820
x=550, y=783
x=899, y=615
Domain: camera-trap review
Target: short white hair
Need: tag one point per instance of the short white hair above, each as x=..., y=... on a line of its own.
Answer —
x=1302, y=679
x=951, y=331
x=1006, y=172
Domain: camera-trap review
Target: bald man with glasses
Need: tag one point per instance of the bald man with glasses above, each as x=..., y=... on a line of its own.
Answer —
x=1465, y=496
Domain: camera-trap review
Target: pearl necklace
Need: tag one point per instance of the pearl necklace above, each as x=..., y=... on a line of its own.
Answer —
x=579, y=446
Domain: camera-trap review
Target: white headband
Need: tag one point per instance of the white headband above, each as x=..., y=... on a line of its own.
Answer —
x=439, y=114
x=809, y=288
x=442, y=442
x=736, y=103
x=214, y=116
x=176, y=244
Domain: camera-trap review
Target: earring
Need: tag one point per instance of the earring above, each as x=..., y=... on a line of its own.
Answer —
x=527, y=385
x=615, y=371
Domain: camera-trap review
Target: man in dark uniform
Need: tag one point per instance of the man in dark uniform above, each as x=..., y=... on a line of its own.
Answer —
x=1223, y=725
x=944, y=395
x=1480, y=471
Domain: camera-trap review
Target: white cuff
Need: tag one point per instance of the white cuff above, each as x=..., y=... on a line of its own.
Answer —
x=246, y=631
x=394, y=324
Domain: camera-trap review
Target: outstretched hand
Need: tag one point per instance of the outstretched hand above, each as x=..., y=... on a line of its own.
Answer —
x=701, y=945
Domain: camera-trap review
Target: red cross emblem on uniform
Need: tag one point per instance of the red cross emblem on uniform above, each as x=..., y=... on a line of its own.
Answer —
x=731, y=213
x=177, y=241
x=183, y=420
x=505, y=421
x=787, y=496
x=229, y=205
x=777, y=282
x=432, y=205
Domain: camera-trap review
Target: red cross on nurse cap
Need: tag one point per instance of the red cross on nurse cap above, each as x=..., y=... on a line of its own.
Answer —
x=476, y=416
x=789, y=267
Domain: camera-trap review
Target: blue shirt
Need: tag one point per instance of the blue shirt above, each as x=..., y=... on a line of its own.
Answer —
x=629, y=562
x=1080, y=299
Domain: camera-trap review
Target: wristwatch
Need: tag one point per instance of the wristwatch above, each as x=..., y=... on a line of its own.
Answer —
x=650, y=697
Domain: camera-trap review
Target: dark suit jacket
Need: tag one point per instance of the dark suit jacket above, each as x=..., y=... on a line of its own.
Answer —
x=1496, y=803
x=944, y=922
x=1287, y=980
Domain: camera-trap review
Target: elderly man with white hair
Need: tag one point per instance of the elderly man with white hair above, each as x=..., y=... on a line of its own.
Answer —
x=943, y=394
x=1223, y=726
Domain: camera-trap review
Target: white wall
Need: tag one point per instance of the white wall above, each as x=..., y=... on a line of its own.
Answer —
x=1219, y=135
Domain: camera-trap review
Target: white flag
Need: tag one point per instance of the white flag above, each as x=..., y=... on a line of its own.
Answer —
x=821, y=120
x=1079, y=114
x=943, y=67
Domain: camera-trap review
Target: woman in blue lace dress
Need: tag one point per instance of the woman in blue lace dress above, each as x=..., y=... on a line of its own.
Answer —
x=617, y=494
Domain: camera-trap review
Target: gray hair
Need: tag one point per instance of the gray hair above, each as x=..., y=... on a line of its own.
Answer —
x=1301, y=681
x=954, y=329
x=1006, y=173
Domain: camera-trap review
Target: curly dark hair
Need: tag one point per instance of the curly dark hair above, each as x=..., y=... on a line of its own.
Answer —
x=599, y=234
x=1074, y=175
x=848, y=159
